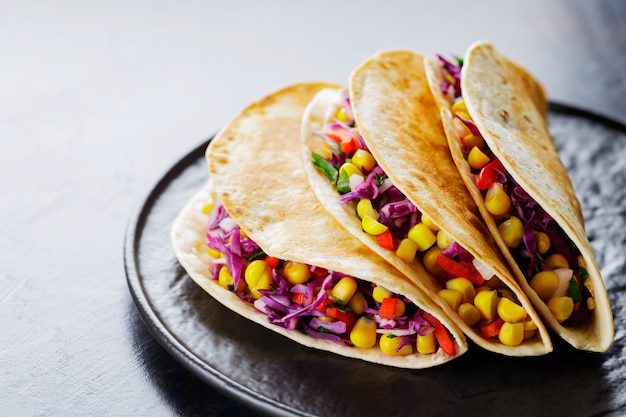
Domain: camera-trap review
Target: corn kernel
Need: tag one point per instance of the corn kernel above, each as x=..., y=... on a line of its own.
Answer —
x=472, y=141
x=556, y=261
x=357, y=303
x=510, y=312
x=530, y=328
x=224, y=278
x=426, y=344
x=469, y=313
x=486, y=302
x=444, y=239
x=591, y=304
x=543, y=242
x=511, y=334
x=364, y=207
x=344, y=289
x=464, y=286
x=340, y=115
x=206, y=209
x=545, y=283
x=452, y=297
x=589, y=285
x=561, y=308
x=213, y=253
x=379, y=293
x=296, y=273
x=429, y=259
x=429, y=223
x=350, y=169
x=458, y=106
x=511, y=231
x=258, y=276
x=363, y=333
x=423, y=237
x=407, y=250
x=372, y=226
x=496, y=200
x=477, y=158
x=363, y=160
x=389, y=343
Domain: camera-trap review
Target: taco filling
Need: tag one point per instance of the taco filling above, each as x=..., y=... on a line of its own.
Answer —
x=469, y=287
x=549, y=260
x=318, y=302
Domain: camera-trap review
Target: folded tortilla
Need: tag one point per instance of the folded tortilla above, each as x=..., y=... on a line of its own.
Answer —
x=257, y=174
x=398, y=120
x=508, y=108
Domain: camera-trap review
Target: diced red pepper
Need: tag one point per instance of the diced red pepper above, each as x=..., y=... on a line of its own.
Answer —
x=328, y=308
x=345, y=139
x=271, y=261
x=319, y=272
x=441, y=334
x=299, y=297
x=489, y=174
x=492, y=329
x=388, y=308
x=385, y=240
x=461, y=269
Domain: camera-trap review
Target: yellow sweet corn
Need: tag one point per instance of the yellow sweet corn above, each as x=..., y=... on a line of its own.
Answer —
x=429, y=259
x=530, y=328
x=364, y=208
x=544, y=283
x=429, y=223
x=510, y=312
x=463, y=286
x=452, y=297
x=511, y=231
x=469, y=313
x=296, y=273
x=477, y=158
x=543, y=242
x=258, y=276
x=496, y=200
x=423, y=237
x=344, y=289
x=350, y=169
x=224, y=279
x=372, y=226
x=443, y=239
x=472, y=141
x=363, y=333
x=459, y=105
x=379, y=293
x=426, y=344
x=357, y=303
x=407, y=250
x=389, y=343
x=511, y=334
x=363, y=160
x=340, y=115
x=486, y=302
x=561, y=308
x=556, y=261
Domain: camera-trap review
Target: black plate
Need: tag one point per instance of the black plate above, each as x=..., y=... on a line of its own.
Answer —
x=277, y=376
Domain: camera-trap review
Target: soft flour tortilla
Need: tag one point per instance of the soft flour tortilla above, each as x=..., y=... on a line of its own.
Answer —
x=509, y=108
x=398, y=119
x=257, y=172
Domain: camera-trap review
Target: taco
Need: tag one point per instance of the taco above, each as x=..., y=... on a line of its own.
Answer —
x=378, y=160
x=257, y=240
x=495, y=118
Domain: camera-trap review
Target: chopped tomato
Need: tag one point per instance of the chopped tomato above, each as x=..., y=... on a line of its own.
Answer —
x=488, y=175
x=388, y=308
x=345, y=139
x=385, y=240
x=492, y=329
x=299, y=297
x=272, y=262
x=329, y=308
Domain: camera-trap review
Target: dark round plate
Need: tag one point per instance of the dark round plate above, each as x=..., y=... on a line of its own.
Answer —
x=274, y=375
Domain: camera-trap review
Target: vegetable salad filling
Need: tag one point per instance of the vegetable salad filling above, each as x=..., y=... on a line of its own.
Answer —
x=318, y=302
x=469, y=287
x=550, y=261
